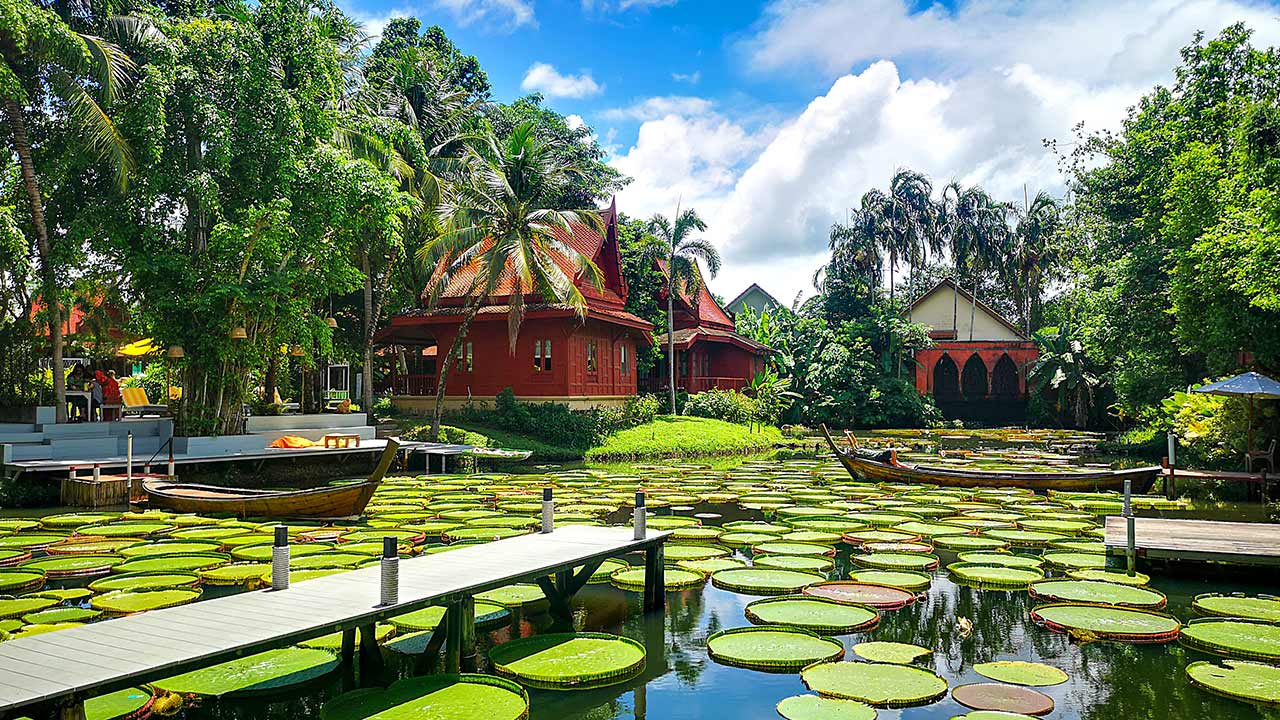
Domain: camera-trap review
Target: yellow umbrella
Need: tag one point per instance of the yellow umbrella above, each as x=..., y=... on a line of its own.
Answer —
x=139, y=348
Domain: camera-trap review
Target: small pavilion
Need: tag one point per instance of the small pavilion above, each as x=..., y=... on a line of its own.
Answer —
x=977, y=368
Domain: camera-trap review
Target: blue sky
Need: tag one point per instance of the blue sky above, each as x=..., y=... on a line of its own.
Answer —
x=773, y=116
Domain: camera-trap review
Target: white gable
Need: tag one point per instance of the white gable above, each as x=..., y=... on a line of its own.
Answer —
x=940, y=305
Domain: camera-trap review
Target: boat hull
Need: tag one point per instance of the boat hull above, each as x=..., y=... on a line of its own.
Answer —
x=860, y=468
x=343, y=501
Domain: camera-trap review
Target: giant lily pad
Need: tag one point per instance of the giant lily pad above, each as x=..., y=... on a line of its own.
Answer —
x=1114, y=576
x=13, y=581
x=905, y=579
x=1003, y=698
x=514, y=596
x=1020, y=672
x=117, y=705
x=675, y=553
x=890, y=652
x=1093, y=591
x=673, y=578
x=1239, y=679
x=813, y=707
x=439, y=697
x=17, y=607
x=569, y=661
x=814, y=614
x=246, y=574
x=885, y=597
x=912, y=562
x=994, y=577
x=880, y=684
x=144, y=581
x=775, y=649
x=69, y=566
x=61, y=615
x=1105, y=622
x=173, y=563
x=764, y=581
x=168, y=547
x=803, y=563
x=1238, y=638
x=267, y=672
x=125, y=602
x=1262, y=607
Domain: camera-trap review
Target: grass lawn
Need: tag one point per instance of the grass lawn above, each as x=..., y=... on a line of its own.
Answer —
x=678, y=436
x=511, y=441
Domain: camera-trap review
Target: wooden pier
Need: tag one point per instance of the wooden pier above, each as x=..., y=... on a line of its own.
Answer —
x=55, y=672
x=1198, y=540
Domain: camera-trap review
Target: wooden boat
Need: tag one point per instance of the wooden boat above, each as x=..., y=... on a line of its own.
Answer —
x=331, y=502
x=884, y=467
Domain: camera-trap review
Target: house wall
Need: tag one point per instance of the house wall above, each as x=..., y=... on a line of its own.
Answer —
x=936, y=312
x=1021, y=353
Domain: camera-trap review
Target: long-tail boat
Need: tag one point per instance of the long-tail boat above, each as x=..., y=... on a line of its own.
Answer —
x=883, y=466
x=328, y=503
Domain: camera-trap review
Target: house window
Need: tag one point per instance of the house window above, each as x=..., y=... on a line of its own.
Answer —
x=684, y=365
x=542, y=355
x=592, y=361
x=622, y=360
x=466, y=359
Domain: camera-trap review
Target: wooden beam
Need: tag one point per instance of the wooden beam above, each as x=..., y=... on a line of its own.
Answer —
x=655, y=592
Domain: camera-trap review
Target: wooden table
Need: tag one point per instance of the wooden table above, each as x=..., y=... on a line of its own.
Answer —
x=340, y=440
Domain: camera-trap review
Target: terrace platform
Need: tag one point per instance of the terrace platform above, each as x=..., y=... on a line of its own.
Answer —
x=1198, y=540
x=55, y=672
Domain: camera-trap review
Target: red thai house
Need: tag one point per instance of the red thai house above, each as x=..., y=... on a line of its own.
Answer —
x=709, y=354
x=559, y=356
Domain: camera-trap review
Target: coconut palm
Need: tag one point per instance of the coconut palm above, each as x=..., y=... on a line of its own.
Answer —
x=1033, y=253
x=978, y=233
x=905, y=219
x=51, y=72
x=680, y=251
x=496, y=226
x=855, y=252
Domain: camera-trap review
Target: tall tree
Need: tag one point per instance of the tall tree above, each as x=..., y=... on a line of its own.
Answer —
x=905, y=217
x=680, y=251
x=51, y=73
x=1034, y=254
x=498, y=221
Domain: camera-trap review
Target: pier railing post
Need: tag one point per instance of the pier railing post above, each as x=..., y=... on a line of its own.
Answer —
x=128, y=458
x=639, y=516
x=1130, y=552
x=390, y=572
x=548, y=511
x=280, y=559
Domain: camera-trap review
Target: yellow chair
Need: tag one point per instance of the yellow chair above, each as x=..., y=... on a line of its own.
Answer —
x=285, y=407
x=137, y=403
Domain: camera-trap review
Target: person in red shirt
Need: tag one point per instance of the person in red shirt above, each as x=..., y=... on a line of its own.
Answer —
x=110, y=387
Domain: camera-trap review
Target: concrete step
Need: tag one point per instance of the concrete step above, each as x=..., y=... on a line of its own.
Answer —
x=145, y=446
x=30, y=452
x=11, y=428
x=157, y=427
x=76, y=430
x=86, y=448
x=16, y=437
x=329, y=421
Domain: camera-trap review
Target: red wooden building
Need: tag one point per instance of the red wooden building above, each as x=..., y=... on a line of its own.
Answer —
x=977, y=368
x=709, y=354
x=559, y=356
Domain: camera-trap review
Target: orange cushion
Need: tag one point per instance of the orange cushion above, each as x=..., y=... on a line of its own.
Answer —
x=293, y=441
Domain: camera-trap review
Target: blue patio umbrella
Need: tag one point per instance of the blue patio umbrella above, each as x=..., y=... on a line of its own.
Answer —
x=1251, y=385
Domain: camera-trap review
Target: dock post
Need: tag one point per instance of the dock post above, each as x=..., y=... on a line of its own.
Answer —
x=460, y=637
x=280, y=559
x=128, y=458
x=1130, y=552
x=171, y=470
x=348, y=645
x=97, y=472
x=1171, y=462
x=655, y=591
x=73, y=710
x=639, y=517
x=548, y=511
x=370, y=655
x=390, y=594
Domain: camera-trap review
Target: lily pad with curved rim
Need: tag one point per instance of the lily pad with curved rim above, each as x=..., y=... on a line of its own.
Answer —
x=674, y=553
x=803, y=563
x=269, y=672
x=905, y=579
x=117, y=705
x=439, y=697
x=968, y=542
x=333, y=641
x=61, y=615
x=879, y=684
x=1021, y=672
x=1262, y=607
x=882, y=597
x=569, y=661
x=1064, y=561
x=69, y=566
x=707, y=567
x=32, y=541
x=1116, y=576
x=13, y=557
x=173, y=563
x=168, y=547
x=814, y=707
x=815, y=614
x=673, y=578
x=487, y=614
x=1232, y=637
x=1239, y=679
x=127, y=529
x=914, y=562
x=17, y=607
x=783, y=547
x=773, y=649
x=1106, y=622
x=764, y=581
x=246, y=574
x=994, y=577
x=890, y=652
x=992, y=715
x=126, y=602
x=1004, y=559
x=607, y=568
x=1097, y=592
x=1003, y=698
x=13, y=581
x=514, y=596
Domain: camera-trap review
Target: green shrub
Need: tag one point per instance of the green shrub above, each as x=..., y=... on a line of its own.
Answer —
x=555, y=423
x=728, y=405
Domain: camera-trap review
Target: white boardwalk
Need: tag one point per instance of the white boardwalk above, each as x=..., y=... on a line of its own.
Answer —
x=106, y=656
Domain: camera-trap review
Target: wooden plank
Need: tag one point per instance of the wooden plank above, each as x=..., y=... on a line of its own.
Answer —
x=113, y=654
x=1243, y=543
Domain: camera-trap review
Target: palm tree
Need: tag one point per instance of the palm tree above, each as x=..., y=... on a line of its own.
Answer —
x=52, y=73
x=496, y=224
x=680, y=251
x=978, y=232
x=855, y=252
x=905, y=219
x=1034, y=252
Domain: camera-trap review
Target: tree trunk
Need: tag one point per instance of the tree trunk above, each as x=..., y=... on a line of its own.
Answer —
x=893, y=267
x=366, y=388
x=442, y=372
x=48, y=275
x=973, y=306
x=671, y=344
x=270, y=381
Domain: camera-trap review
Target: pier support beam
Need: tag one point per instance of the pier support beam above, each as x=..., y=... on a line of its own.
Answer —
x=655, y=593
x=460, y=636
x=560, y=592
x=370, y=655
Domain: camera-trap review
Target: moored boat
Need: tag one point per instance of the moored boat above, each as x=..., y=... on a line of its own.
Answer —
x=330, y=502
x=883, y=466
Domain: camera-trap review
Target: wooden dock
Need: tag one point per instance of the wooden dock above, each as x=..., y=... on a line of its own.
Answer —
x=1198, y=540
x=59, y=670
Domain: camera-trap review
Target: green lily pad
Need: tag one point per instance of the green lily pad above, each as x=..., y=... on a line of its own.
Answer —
x=781, y=547
x=144, y=581
x=333, y=641
x=1003, y=559
x=173, y=563
x=673, y=578
x=775, y=649
x=904, y=579
x=1093, y=591
x=169, y=547
x=17, y=607
x=514, y=596
x=1020, y=672
x=124, y=602
x=55, y=615
x=997, y=577
x=675, y=553
x=879, y=684
x=815, y=614
x=267, y=672
x=813, y=707
x=247, y=574
x=1248, y=639
x=890, y=652
x=1114, y=576
x=439, y=697
x=915, y=562
x=32, y=541
x=117, y=705
x=764, y=581
x=1264, y=607
x=126, y=529
x=66, y=566
x=803, y=563
x=1239, y=679
x=560, y=661
x=1107, y=622
x=12, y=581
x=707, y=567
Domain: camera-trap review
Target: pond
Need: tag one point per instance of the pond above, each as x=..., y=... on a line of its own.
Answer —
x=960, y=625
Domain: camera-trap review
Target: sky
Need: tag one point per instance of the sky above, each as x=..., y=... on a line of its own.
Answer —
x=772, y=117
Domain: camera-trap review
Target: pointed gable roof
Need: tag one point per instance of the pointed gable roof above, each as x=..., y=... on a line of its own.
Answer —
x=948, y=284
x=700, y=307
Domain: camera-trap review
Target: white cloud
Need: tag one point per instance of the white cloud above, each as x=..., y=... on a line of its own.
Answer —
x=499, y=15
x=574, y=121
x=691, y=78
x=622, y=5
x=544, y=78
x=968, y=94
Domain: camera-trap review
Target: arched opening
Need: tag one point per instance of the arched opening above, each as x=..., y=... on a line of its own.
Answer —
x=946, y=379
x=974, y=379
x=1004, y=378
